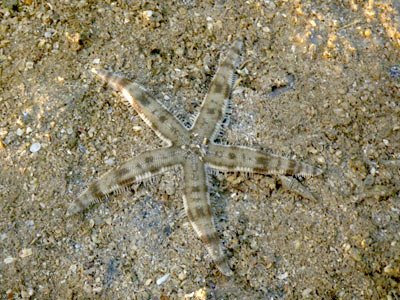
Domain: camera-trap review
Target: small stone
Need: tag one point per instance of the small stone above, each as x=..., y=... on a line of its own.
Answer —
x=96, y=61
x=188, y=296
x=182, y=276
x=394, y=72
x=109, y=161
x=49, y=33
x=312, y=150
x=74, y=40
x=148, y=282
x=297, y=244
x=306, y=293
x=25, y=252
x=41, y=43
x=29, y=65
x=180, y=51
x=147, y=14
x=162, y=279
x=201, y=294
x=266, y=29
x=24, y=294
x=367, y=33
x=35, y=147
x=253, y=245
x=392, y=270
x=8, y=260
x=10, y=294
x=20, y=132
x=72, y=268
x=372, y=171
x=91, y=132
x=283, y=276
x=151, y=18
x=346, y=247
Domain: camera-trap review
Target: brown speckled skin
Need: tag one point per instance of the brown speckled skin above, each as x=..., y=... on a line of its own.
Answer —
x=193, y=149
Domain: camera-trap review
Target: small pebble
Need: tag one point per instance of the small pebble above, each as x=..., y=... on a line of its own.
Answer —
x=367, y=32
x=283, y=276
x=306, y=293
x=49, y=33
x=147, y=14
x=29, y=65
x=109, y=161
x=9, y=260
x=201, y=294
x=35, y=147
x=73, y=269
x=182, y=276
x=25, y=252
x=162, y=279
x=91, y=132
x=20, y=132
x=394, y=72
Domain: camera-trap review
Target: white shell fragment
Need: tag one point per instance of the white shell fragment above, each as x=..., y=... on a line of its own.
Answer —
x=283, y=276
x=35, y=147
x=162, y=279
x=8, y=260
x=25, y=252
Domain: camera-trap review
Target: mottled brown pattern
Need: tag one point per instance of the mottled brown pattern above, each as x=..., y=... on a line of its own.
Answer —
x=217, y=87
x=121, y=172
x=95, y=190
x=142, y=98
x=148, y=159
x=203, y=212
x=210, y=238
x=193, y=149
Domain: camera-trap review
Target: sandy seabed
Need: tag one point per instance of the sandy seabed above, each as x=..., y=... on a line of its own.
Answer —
x=320, y=82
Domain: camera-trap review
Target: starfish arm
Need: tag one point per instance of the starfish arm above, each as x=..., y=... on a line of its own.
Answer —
x=141, y=167
x=156, y=116
x=198, y=209
x=216, y=103
x=235, y=158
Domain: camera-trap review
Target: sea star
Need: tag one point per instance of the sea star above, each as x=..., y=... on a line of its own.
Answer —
x=194, y=149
